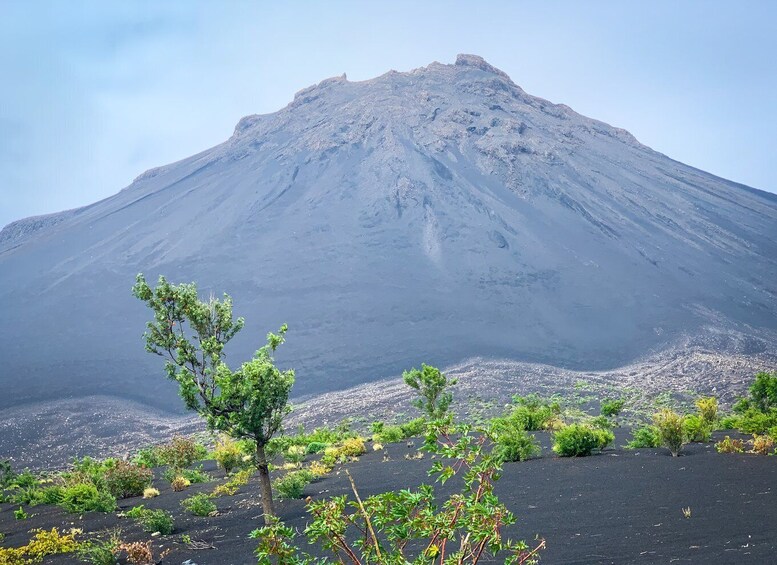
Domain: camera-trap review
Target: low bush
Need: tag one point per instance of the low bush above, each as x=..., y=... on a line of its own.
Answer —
x=148, y=457
x=762, y=444
x=612, y=407
x=670, y=430
x=237, y=480
x=353, y=447
x=511, y=442
x=86, y=497
x=534, y=413
x=601, y=422
x=88, y=471
x=646, y=436
x=578, y=440
x=315, y=447
x=180, y=483
x=200, y=504
x=228, y=454
x=194, y=476
x=150, y=492
x=728, y=445
x=696, y=429
x=387, y=434
x=295, y=453
x=43, y=544
x=291, y=485
x=318, y=469
x=126, y=479
x=729, y=422
x=181, y=452
x=753, y=421
x=138, y=552
x=100, y=552
x=152, y=521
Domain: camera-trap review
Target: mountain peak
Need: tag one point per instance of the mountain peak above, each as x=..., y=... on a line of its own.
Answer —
x=466, y=60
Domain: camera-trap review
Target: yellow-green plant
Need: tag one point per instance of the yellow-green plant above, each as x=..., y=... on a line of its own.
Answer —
x=670, y=430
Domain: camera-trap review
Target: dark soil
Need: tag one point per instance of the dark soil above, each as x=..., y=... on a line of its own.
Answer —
x=621, y=506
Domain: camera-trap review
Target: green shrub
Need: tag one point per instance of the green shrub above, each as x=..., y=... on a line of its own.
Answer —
x=578, y=440
x=696, y=429
x=315, y=447
x=25, y=479
x=511, y=443
x=100, y=552
x=534, y=413
x=181, y=452
x=88, y=470
x=728, y=445
x=295, y=453
x=125, y=479
x=86, y=497
x=292, y=484
x=671, y=430
x=730, y=422
x=753, y=421
x=152, y=521
x=762, y=394
x=601, y=423
x=200, y=504
x=413, y=428
x=389, y=434
x=612, y=407
x=196, y=475
x=148, y=457
x=646, y=436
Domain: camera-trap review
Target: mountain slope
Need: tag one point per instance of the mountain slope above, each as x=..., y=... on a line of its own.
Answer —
x=428, y=216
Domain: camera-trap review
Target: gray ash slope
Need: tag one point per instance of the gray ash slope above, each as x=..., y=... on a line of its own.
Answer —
x=432, y=215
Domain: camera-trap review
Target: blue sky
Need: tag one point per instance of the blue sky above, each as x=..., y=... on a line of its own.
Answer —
x=94, y=93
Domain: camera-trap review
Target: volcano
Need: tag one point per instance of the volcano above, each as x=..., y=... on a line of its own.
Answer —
x=422, y=216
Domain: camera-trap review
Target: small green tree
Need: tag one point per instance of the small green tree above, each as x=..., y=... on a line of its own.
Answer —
x=191, y=334
x=432, y=387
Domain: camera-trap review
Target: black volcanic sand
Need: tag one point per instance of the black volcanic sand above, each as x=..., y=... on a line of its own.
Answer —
x=621, y=506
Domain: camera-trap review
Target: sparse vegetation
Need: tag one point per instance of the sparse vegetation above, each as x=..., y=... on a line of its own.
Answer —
x=464, y=527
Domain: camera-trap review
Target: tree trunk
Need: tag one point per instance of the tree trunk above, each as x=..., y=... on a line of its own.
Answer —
x=265, y=487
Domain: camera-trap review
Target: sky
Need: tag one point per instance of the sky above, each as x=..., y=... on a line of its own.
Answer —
x=94, y=93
